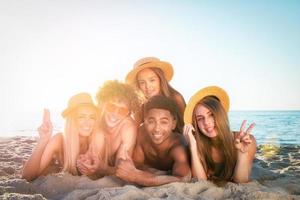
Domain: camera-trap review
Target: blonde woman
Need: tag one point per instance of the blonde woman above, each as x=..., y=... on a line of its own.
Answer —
x=151, y=76
x=217, y=153
x=63, y=148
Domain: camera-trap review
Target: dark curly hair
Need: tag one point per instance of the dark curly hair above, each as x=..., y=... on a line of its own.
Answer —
x=114, y=89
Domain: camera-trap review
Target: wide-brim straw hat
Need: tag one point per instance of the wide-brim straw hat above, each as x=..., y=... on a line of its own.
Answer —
x=149, y=62
x=80, y=99
x=215, y=91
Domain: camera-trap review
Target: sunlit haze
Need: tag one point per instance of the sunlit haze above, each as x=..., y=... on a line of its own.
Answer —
x=51, y=50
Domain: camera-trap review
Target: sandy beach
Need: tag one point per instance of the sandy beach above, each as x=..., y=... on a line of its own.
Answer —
x=276, y=175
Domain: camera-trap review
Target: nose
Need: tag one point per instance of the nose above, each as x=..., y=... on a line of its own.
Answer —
x=206, y=121
x=156, y=127
x=146, y=85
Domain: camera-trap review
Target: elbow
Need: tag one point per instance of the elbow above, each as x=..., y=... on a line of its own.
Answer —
x=241, y=179
x=27, y=176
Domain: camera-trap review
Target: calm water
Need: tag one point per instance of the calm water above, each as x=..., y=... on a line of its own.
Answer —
x=272, y=127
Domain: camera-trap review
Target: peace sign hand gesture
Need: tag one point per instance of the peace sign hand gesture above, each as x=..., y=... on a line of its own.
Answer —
x=45, y=130
x=242, y=140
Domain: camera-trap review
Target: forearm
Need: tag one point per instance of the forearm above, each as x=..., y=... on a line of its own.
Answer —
x=241, y=171
x=146, y=178
x=197, y=166
x=31, y=168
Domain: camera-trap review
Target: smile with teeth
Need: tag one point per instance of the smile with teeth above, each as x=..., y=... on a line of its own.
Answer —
x=157, y=135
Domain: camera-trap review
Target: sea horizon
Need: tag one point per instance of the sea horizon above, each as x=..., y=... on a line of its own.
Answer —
x=277, y=127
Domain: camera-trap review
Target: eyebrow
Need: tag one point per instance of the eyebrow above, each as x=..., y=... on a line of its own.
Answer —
x=147, y=78
x=209, y=112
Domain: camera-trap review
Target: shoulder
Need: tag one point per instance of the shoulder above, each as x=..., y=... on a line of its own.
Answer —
x=128, y=124
x=128, y=128
x=179, y=153
x=178, y=149
x=56, y=142
x=178, y=97
x=99, y=134
x=58, y=138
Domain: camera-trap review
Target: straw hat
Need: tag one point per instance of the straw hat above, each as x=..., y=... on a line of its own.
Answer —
x=81, y=99
x=207, y=91
x=149, y=62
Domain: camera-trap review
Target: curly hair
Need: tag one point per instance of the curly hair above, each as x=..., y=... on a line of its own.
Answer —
x=114, y=89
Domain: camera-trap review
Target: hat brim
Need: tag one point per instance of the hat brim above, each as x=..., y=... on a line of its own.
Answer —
x=164, y=66
x=208, y=91
x=67, y=111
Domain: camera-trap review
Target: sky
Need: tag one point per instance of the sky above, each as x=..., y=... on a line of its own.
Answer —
x=51, y=50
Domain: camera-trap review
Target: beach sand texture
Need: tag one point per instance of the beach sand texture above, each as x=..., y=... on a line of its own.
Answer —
x=276, y=175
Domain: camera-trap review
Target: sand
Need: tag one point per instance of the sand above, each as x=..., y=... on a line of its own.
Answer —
x=276, y=175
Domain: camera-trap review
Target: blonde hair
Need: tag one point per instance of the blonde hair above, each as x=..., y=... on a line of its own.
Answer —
x=225, y=140
x=71, y=148
x=113, y=89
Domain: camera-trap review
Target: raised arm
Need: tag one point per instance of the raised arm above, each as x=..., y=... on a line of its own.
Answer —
x=40, y=157
x=246, y=148
x=197, y=167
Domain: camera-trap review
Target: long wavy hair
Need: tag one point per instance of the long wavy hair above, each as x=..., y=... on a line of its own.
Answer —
x=166, y=90
x=224, y=142
x=71, y=148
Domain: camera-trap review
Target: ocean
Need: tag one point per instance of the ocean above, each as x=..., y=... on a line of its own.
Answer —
x=272, y=127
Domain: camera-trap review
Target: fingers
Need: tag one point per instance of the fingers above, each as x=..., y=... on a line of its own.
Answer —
x=46, y=116
x=250, y=128
x=243, y=126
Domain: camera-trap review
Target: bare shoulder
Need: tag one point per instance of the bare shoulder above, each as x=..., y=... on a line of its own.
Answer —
x=56, y=142
x=98, y=135
x=128, y=126
x=57, y=139
x=179, y=98
x=178, y=149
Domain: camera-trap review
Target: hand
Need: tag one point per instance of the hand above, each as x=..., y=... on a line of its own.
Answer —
x=242, y=140
x=45, y=130
x=188, y=134
x=125, y=168
x=88, y=164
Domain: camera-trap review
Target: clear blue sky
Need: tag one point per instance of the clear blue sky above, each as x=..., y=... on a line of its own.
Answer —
x=50, y=50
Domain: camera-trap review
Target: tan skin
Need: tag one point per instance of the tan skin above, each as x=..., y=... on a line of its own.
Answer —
x=50, y=148
x=119, y=132
x=158, y=150
x=149, y=84
x=244, y=143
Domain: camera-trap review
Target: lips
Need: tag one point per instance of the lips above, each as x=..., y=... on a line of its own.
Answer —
x=111, y=120
x=209, y=129
x=157, y=136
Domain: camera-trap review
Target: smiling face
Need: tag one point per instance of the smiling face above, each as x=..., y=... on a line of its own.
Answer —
x=205, y=121
x=148, y=82
x=114, y=112
x=85, y=120
x=159, y=124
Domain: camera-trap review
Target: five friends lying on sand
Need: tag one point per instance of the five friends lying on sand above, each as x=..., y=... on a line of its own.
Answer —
x=136, y=132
